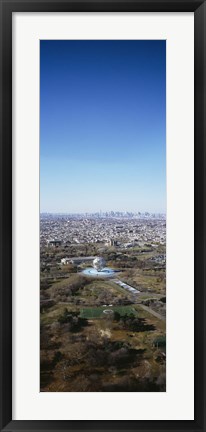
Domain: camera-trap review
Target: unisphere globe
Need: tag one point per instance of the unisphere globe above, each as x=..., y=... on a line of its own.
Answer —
x=99, y=263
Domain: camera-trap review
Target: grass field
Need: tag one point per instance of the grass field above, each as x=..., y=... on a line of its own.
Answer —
x=98, y=312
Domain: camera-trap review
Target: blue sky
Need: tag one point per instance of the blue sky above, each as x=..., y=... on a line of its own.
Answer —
x=102, y=126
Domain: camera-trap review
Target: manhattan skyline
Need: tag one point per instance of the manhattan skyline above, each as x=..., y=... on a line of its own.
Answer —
x=103, y=126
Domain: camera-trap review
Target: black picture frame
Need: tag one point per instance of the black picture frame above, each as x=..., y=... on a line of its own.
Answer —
x=7, y=7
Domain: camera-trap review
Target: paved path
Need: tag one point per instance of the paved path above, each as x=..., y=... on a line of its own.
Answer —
x=85, y=258
x=124, y=285
x=149, y=310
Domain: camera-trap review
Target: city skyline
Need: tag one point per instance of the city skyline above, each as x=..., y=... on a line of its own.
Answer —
x=103, y=126
x=100, y=212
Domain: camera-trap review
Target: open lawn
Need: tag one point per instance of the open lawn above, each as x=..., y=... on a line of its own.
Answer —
x=98, y=312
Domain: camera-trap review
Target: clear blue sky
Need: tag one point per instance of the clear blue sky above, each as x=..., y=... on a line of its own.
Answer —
x=102, y=126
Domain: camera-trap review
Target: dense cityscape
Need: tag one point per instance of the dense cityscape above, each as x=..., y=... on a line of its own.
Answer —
x=124, y=230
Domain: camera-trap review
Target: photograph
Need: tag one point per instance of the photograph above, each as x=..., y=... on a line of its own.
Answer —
x=102, y=215
x=103, y=180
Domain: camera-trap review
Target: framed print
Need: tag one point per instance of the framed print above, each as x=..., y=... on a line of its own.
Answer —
x=102, y=215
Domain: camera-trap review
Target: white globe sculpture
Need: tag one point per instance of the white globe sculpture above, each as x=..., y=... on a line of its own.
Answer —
x=99, y=263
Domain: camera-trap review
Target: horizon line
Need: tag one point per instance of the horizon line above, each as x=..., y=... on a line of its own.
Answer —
x=103, y=212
